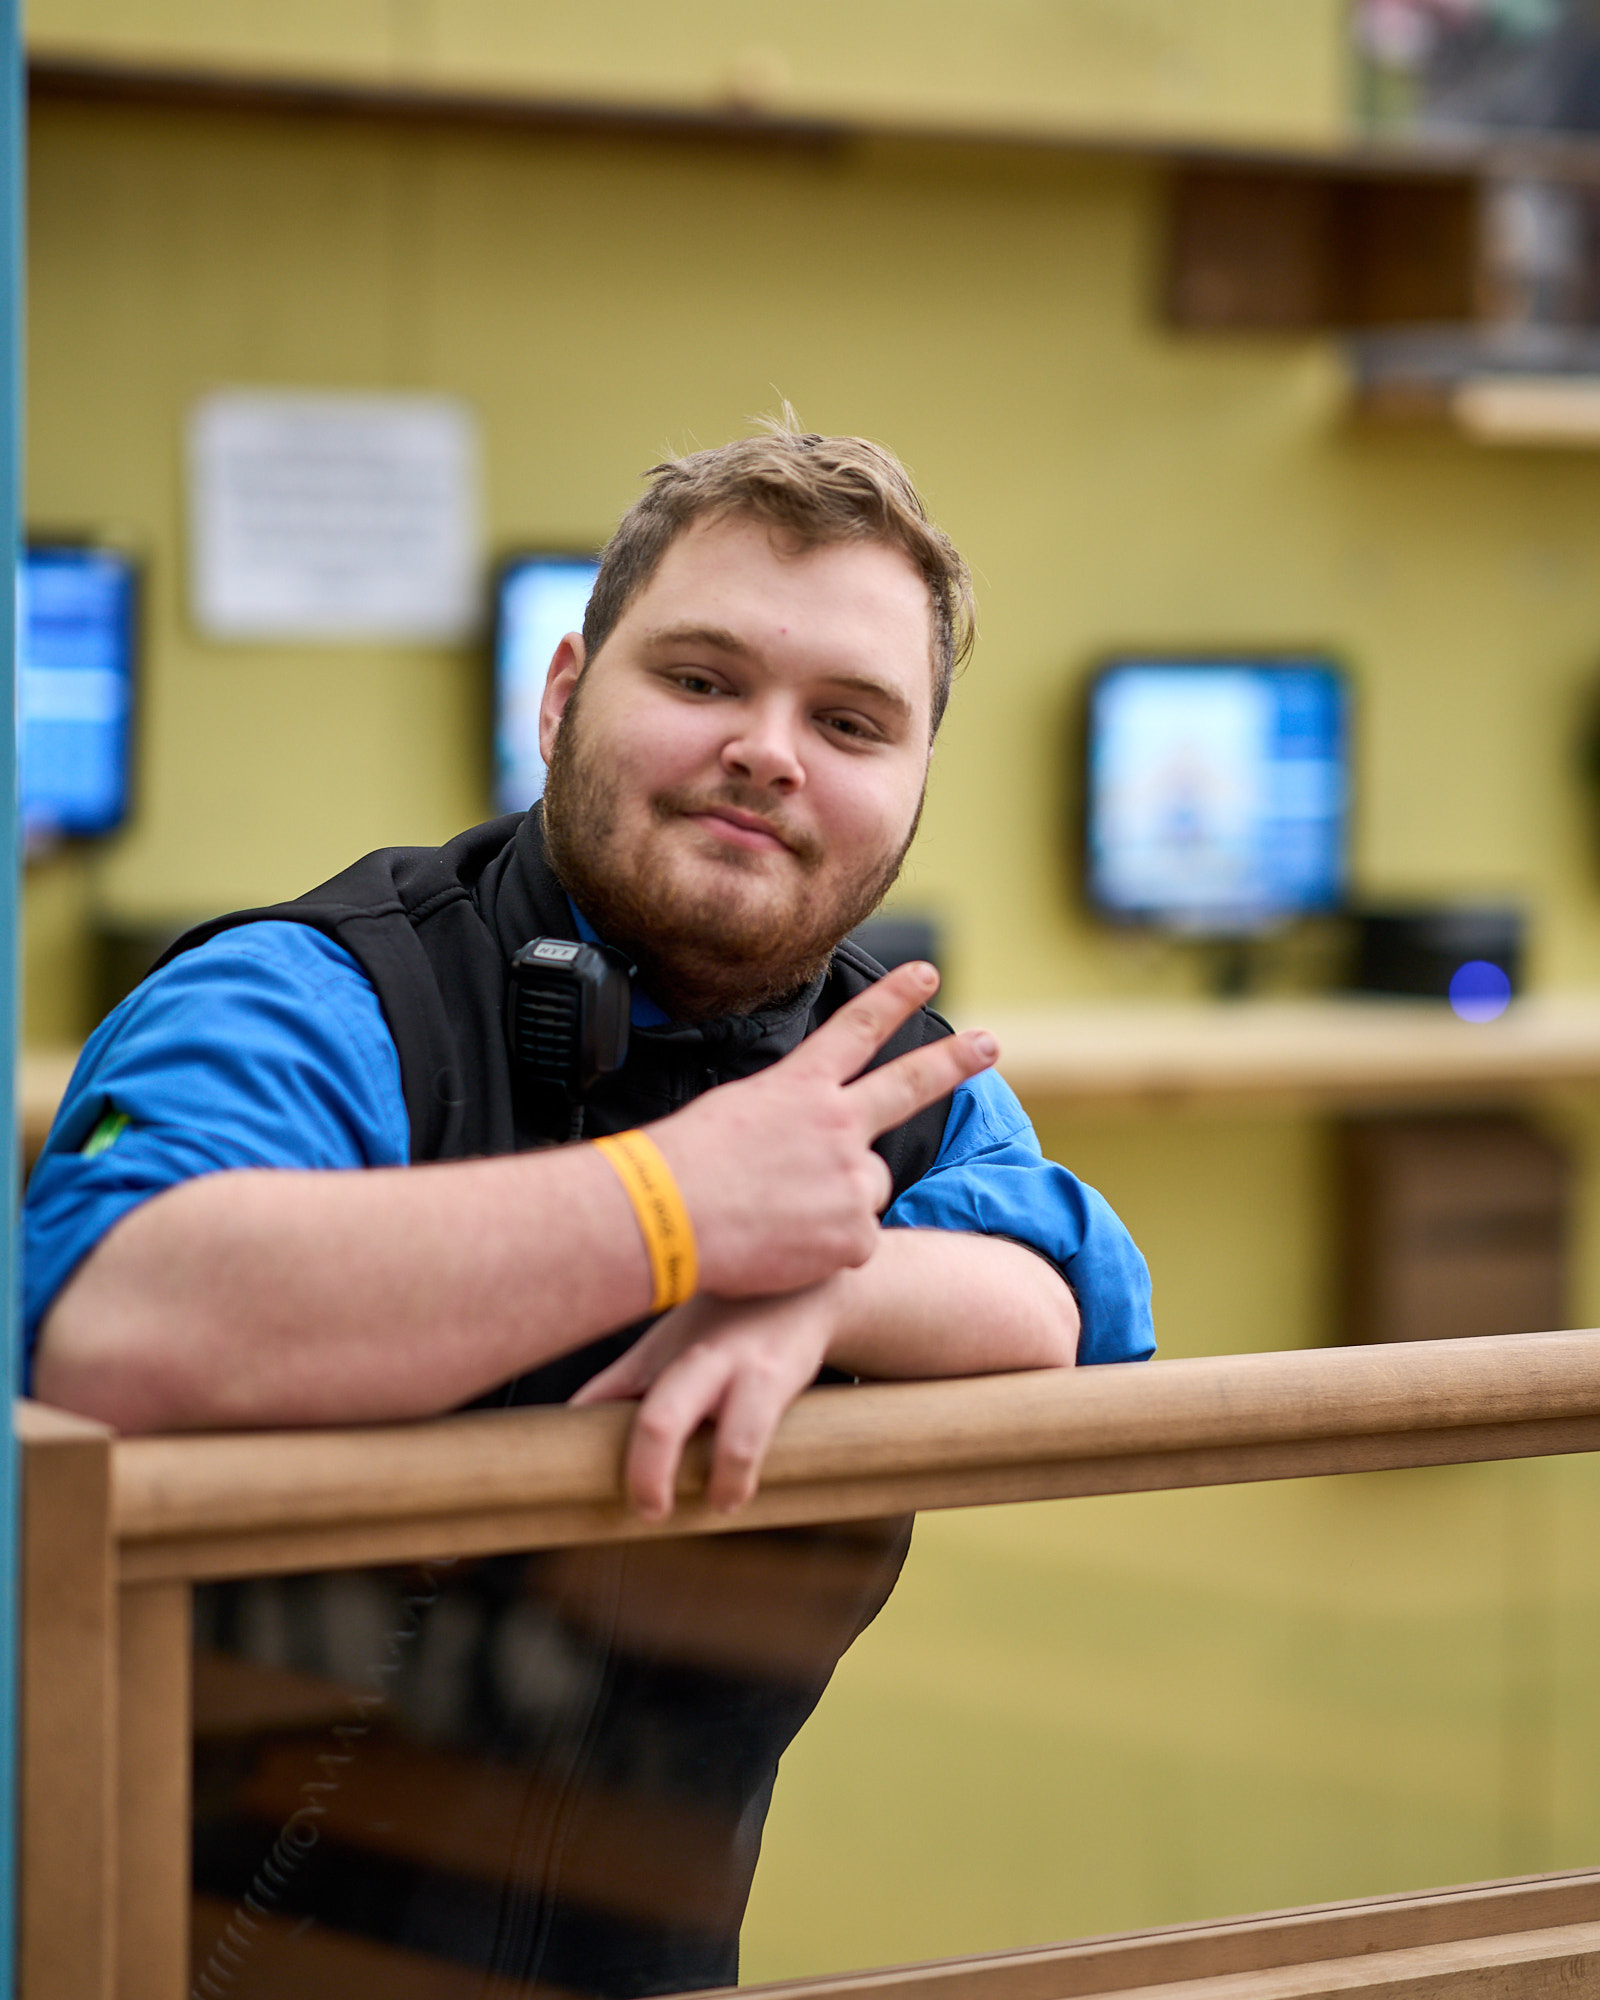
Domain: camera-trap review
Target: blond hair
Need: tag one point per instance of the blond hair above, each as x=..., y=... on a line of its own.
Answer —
x=818, y=490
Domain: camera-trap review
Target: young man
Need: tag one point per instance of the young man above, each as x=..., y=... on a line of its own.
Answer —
x=738, y=745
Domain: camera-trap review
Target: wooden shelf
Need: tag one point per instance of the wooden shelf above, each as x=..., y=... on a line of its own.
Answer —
x=1344, y=1052
x=741, y=109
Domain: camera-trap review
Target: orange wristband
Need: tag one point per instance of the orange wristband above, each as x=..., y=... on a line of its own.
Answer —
x=663, y=1215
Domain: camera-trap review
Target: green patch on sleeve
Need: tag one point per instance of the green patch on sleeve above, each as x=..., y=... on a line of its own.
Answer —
x=106, y=1133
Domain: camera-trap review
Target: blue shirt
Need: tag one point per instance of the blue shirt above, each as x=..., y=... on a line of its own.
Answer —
x=266, y=1047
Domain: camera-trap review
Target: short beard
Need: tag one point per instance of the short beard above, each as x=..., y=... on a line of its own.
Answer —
x=697, y=958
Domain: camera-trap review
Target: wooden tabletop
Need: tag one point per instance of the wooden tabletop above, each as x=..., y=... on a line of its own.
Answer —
x=1349, y=1051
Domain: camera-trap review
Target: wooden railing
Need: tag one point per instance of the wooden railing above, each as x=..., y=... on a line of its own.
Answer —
x=117, y=1531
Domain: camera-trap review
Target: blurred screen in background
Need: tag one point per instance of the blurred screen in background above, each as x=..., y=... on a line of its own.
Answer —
x=538, y=600
x=1217, y=793
x=74, y=690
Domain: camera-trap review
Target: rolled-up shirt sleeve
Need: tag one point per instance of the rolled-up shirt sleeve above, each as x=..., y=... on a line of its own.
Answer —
x=992, y=1179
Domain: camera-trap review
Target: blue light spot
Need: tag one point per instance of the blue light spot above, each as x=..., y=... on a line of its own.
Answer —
x=1479, y=991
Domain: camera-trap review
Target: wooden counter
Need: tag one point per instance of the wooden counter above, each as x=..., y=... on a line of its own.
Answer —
x=1344, y=1052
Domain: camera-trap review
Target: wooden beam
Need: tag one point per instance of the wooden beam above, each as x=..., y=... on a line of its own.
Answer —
x=63, y=75
x=153, y=1799
x=1499, y=1939
x=265, y=93
x=427, y=1538
x=1527, y=1965
x=68, y=1746
x=539, y=1478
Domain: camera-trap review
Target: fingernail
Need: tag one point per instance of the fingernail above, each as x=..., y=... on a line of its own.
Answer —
x=927, y=975
x=987, y=1046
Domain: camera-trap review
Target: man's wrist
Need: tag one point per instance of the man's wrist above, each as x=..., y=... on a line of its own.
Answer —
x=841, y=1300
x=661, y=1212
x=606, y=1197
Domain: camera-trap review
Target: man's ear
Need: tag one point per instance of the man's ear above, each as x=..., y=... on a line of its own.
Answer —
x=559, y=684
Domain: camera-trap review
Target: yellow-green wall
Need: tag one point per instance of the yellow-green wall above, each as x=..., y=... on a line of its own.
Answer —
x=1262, y=1696
x=1267, y=71
x=598, y=301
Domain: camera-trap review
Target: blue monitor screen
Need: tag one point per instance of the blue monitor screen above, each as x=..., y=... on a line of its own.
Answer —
x=539, y=600
x=74, y=690
x=1218, y=792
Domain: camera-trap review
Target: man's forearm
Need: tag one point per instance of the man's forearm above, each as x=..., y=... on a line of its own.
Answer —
x=263, y=1298
x=939, y=1302
x=276, y=1297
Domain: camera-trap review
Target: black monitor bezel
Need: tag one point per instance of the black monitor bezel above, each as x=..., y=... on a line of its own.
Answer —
x=1169, y=924
x=500, y=569
x=40, y=541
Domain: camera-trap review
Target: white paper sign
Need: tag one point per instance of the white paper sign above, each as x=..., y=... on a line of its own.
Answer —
x=318, y=516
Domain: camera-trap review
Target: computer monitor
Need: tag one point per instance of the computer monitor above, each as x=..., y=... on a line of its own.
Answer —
x=1217, y=791
x=538, y=599
x=77, y=626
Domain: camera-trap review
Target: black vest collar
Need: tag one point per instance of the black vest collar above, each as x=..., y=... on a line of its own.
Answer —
x=520, y=897
x=434, y=930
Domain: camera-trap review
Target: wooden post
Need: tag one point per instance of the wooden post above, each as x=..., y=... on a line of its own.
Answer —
x=68, y=1748
x=153, y=1838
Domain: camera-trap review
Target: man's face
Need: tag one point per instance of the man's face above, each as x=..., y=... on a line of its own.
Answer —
x=736, y=783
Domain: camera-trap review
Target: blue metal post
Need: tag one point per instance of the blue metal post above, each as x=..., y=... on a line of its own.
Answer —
x=11, y=295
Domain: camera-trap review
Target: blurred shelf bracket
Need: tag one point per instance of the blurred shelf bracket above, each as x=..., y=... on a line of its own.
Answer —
x=1467, y=285
x=1273, y=249
x=1515, y=385
x=1521, y=409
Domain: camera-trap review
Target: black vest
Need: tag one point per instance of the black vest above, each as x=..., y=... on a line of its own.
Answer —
x=434, y=929
x=698, y=1660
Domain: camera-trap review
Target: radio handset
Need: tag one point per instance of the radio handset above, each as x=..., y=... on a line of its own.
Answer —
x=569, y=1015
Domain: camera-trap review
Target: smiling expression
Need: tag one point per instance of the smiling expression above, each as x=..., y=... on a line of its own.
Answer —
x=735, y=776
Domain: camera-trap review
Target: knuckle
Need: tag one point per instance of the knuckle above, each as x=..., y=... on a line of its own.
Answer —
x=834, y=1120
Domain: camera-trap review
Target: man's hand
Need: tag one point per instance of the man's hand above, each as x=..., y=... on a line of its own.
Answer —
x=778, y=1170
x=740, y=1362
x=929, y=1302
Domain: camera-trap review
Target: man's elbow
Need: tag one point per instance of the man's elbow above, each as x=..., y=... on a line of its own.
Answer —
x=1064, y=1328
x=1038, y=1324
x=1054, y=1323
x=94, y=1359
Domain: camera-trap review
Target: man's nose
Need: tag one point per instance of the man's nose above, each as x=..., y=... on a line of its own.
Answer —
x=762, y=750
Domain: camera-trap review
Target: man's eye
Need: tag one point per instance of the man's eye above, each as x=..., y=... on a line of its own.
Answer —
x=695, y=683
x=851, y=727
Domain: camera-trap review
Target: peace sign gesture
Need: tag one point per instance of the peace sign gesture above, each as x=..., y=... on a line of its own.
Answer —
x=778, y=1169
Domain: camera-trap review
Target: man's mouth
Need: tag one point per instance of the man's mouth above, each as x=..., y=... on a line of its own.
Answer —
x=733, y=824
x=740, y=829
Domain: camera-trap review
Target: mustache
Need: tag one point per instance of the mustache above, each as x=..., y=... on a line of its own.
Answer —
x=685, y=803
